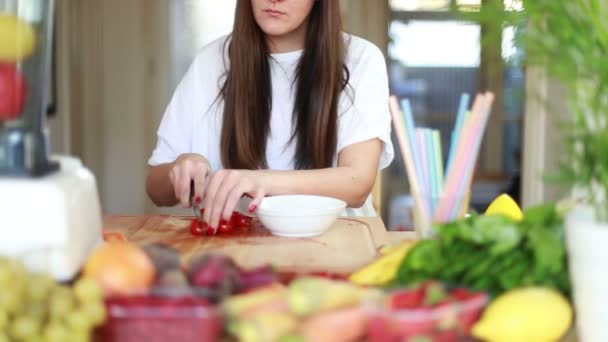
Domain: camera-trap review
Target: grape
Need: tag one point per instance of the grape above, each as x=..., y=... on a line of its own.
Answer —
x=3, y=320
x=88, y=291
x=39, y=286
x=77, y=320
x=56, y=332
x=33, y=307
x=79, y=336
x=9, y=301
x=38, y=311
x=61, y=302
x=95, y=313
x=6, y=275
x=24, y=327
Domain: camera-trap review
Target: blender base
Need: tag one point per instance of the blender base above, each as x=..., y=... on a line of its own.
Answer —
x=53, y=222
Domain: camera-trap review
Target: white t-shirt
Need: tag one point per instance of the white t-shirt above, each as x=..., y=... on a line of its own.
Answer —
x=193, y=120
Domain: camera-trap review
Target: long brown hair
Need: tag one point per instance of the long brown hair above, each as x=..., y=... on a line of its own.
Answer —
x=321, y=76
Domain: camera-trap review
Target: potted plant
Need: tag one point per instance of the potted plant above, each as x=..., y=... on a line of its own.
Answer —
x=570, y=39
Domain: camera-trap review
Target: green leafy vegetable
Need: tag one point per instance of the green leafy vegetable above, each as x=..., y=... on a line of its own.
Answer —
x=493, y=253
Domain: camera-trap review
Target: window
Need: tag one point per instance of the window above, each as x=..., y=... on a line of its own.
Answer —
x=435, y=55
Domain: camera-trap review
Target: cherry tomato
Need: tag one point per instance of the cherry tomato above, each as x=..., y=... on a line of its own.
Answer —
x=239, y=221
x=198, y=228
x=13, y=92
x=225, y=228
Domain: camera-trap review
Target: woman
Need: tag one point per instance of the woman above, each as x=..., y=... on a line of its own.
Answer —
x=287, y=104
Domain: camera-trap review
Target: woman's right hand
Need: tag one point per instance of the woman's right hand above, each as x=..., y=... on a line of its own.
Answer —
x=186, y=168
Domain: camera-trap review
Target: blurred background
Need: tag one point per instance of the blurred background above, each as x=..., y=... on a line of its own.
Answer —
x=117, y=63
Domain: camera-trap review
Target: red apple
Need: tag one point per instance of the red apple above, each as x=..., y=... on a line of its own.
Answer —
x=13, y=90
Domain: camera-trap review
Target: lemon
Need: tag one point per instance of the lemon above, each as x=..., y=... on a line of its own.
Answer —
x=506, y=206
x=532, y=314
x=17, y=39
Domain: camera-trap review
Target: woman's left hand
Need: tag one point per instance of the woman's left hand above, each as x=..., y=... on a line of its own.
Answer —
x=225, y=189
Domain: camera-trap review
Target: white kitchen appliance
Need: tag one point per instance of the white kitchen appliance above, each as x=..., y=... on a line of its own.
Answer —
x=50, y=216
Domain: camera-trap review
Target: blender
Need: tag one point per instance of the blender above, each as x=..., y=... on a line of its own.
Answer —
x=50, y=215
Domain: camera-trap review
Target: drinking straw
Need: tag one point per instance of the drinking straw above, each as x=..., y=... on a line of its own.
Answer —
x=406, y=151
x=460, y=121
x=463, y=153
x=424, y=176
x=465, y=182
x=433, y=169
x=473, y=142
x=438, y=153
x=410, y=127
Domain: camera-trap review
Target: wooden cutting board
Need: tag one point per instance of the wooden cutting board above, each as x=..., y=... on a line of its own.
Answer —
x=348, y=245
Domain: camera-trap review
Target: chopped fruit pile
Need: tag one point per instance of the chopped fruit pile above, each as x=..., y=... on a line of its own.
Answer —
x=430, y=312
x=308, y=309
x=237, y=221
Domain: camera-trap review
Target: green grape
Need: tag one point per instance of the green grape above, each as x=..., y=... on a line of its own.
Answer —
x=61, y=302
x=55, y=331
x=10, y=301
x=39, y=286
x=3, y=320
x=38, y=311
x=6, y=275
x=88, y=291
x=24, y=327
x=78, y=321
x=79, y=336
x=95, y=313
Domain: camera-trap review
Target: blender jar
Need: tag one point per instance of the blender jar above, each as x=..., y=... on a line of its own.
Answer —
x=26, y=31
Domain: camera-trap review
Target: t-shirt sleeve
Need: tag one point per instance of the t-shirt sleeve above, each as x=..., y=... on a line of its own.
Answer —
x=175, y=131
x=366, y=115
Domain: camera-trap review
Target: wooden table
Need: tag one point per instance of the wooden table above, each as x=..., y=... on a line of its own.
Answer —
x=348, y=245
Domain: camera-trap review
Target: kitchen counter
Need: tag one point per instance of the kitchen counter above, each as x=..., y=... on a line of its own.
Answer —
x=348, y=245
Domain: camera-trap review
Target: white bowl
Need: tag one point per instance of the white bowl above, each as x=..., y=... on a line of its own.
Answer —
x=299, y=215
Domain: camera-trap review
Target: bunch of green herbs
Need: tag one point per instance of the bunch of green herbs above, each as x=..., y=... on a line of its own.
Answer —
x=493, y=253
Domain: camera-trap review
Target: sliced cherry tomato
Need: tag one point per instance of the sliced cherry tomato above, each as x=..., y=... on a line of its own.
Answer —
x=240, y=221
x=225, y=228
x=198, y=228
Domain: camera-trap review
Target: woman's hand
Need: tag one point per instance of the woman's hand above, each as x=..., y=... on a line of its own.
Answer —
x=186, y=168
x=225, y=189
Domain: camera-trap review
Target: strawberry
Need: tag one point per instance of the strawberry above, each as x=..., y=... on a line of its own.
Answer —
x=406, y=299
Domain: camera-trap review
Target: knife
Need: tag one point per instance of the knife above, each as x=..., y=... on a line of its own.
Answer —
x=195, y=206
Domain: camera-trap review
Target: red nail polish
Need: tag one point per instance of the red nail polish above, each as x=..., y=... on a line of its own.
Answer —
x=253, y=208
x=198, y=199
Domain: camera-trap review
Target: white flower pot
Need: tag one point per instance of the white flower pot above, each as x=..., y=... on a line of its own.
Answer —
x=587, y=243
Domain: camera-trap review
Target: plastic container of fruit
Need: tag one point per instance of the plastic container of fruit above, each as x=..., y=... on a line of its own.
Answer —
x=161, y=318
x=404, y=316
